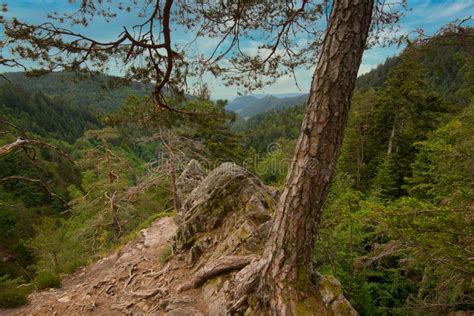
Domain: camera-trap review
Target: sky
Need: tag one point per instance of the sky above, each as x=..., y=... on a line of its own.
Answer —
x=429, y=15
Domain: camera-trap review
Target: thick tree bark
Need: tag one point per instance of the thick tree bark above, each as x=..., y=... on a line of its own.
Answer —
x=287, y=267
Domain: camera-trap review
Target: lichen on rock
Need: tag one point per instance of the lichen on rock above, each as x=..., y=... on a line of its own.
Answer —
x=227, y=211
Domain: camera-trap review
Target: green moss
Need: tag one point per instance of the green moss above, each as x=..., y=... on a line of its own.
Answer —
x=213, y=281
x=329, y=284
x=243, y=234
x=252, y=301
x=343, y=309
x=309, y=307
x=303, y=278
x=270, y=202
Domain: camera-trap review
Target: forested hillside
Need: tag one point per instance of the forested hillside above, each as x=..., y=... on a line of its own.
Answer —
x=64, y=205
x=49, y=117
x=87, y=163
x=442, y=62
x=398, y=227
x=103, y=92
x=248, y=106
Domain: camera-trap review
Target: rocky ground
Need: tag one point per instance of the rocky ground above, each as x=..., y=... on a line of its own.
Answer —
x=222, y=228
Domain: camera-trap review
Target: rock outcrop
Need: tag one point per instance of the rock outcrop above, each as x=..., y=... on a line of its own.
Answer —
x=222, y=228
x=229, y=212
x=190, y=178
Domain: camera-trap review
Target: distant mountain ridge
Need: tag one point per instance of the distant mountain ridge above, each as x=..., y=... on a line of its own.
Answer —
x=440, y=57
x=248, y=106
x=96, y=90
x=50, y=117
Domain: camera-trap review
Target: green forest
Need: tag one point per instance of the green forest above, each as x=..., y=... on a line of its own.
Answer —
x=398, y=224
x=86, y=164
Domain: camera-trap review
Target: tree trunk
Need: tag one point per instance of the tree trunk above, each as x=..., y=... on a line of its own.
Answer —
x=287, y=267
x=392, y=137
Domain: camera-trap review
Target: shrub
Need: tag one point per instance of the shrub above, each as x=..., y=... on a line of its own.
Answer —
x=74, y=265
x=11, y=294
x=47, y=279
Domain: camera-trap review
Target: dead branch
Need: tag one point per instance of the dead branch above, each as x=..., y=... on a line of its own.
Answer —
x=21, y=143
x=10, y=124
x=38, y=182
x=6, y=149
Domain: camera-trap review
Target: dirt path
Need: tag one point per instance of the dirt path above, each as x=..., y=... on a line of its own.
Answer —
x=122, y=283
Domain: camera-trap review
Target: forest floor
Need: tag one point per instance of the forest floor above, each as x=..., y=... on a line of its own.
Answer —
x=129, y=281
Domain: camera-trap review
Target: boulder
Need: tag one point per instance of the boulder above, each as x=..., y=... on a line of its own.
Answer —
x=229, y=211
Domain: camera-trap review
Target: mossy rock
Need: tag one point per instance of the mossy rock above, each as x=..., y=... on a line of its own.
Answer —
x=229, y=204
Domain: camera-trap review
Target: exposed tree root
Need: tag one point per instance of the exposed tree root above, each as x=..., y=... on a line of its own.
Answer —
x=245, y=282
x=215, y=268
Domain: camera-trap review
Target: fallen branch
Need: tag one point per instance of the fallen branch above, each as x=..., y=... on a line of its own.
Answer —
x=21, y=143
x=215, y=268
x=5, y=149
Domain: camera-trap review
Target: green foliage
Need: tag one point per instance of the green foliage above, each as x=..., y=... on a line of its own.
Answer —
x=11, y=294
x=410, y=254
x=109, y=205
x=406, y=110
x=206, y=136
x=355, y=153
x=384, y=184
x=47, y=279
x=272, y=167
x=442, y=172
x=397, y=228
x=43, y=115
x=376, y=77
x=266, y=128
x=48, y=244
x=97, y=90
x=249, y=106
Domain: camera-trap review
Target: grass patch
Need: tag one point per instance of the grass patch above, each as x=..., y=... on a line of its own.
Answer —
x=164, y=254
x=47, y=279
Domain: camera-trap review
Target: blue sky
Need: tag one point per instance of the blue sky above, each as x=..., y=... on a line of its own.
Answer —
x=427, y=14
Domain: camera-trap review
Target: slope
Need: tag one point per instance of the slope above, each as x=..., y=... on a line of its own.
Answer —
x=48, y=117
x=222, y=228
x=98, y=90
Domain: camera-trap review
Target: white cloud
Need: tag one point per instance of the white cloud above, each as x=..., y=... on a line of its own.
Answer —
x=365, y=68
x=450, y=10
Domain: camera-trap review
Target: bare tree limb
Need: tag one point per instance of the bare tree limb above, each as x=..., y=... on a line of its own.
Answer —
x=21, y=143
x=37, y=182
